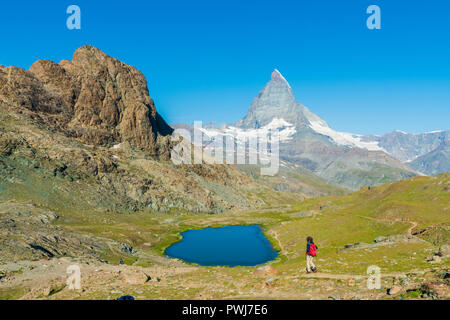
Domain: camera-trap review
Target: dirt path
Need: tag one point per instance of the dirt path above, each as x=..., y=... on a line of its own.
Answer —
x=414, y=225
x=274, y=234
x=409, y=231
x=334, y=276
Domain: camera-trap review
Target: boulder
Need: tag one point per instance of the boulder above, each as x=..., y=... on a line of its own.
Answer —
x=437, y=259
x=268, y=283
x=135, y=277
x=47, y=291
x=445, y=275
x=381, y=239
x=3, y=275
x=444, y=251
x=394, y=290
x=433, y=259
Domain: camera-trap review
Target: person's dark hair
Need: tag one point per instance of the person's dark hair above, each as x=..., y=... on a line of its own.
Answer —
x=309, y=239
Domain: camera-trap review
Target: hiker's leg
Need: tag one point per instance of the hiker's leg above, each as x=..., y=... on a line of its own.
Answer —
x=308, y=263
x=312, y=263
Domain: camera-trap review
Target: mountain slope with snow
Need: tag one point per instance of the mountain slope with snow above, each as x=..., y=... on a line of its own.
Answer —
x=306, y=140
x=285, y=131
x=343, y=138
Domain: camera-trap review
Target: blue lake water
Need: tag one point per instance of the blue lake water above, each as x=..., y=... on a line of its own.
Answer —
x=225, y=246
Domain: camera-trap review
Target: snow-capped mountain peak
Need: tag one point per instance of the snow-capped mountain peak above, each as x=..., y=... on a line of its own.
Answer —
x=277, y=76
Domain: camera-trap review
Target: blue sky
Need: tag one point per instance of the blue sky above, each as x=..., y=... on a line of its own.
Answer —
x=206, y=60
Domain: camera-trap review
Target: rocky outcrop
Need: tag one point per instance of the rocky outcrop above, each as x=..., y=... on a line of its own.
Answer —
x=85, y=134
x=28, y=232
x=444, y=251
x=95, y=98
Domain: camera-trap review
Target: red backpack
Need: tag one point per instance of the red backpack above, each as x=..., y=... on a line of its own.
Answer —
x=312, y=250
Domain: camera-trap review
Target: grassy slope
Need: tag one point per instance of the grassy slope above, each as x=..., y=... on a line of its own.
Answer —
x=369, y=213
x=336, y=221
x=294, y=179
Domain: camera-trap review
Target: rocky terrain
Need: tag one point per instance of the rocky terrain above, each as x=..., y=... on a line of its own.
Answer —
x=47, y=281
x=86, y=131
x=94, y=98
x=30, y=233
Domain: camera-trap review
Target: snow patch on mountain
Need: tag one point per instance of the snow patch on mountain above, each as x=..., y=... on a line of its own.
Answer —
x=344, y=138
x=285, y=131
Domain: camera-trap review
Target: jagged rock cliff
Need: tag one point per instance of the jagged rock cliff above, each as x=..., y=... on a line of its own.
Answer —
x=94, y=97
x=84, y=135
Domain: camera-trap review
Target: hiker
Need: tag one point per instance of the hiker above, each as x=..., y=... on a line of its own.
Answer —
x=311, y=252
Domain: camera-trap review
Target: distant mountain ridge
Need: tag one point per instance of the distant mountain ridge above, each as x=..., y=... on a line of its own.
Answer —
x=407, y=147
x=434, y=162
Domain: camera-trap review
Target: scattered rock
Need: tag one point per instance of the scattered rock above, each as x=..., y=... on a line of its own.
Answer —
x=404, y=280
x=380, y=239
x=3, y=275
x=305, y=214
x=266, y=270
x=126, y=248
x=47, y=291
x=268, y=283
x=116, y=292
x=435, y=290
x=437, y=259
x=444, y=251
x=433, y=259
x=135, y=277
